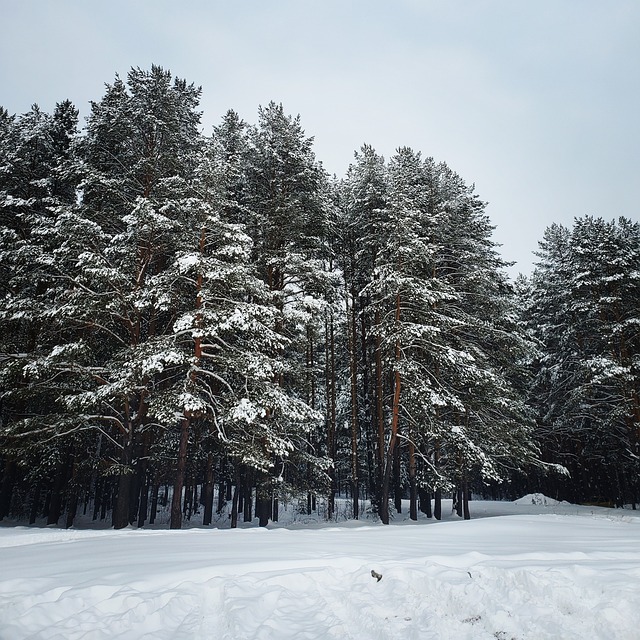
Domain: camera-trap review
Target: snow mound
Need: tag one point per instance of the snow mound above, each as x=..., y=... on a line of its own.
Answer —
x=537, y=499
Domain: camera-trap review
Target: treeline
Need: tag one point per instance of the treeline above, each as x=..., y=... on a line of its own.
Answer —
x=213, y=319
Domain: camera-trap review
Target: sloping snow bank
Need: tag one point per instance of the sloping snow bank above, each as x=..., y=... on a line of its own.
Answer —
x=537, y=499
x=520, y=576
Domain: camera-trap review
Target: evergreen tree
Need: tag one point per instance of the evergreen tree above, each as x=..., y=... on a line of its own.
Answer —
x=113, y=304
x=36, y=183
x=494, y=433
x=404, y=295
x=363, y=204
x=583, y=311
x=437, y=307
x=287, y=223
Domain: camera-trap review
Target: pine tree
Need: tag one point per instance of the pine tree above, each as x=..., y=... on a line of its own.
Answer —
x=36, y=182
x=113, y=305
x=404, y=295
x=363, y=205
x=584, y=312
x=441, y=334
x=287, y=223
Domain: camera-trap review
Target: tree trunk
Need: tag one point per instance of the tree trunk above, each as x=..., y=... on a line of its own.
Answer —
x=98, y=496
x=264, y=499
x=465, y=501
x=424, y=498
x=370, y=447
x=6, y=487
x=397, y=481
x=187, y=505
x=134, y=498
x=154, y=502
x=195, y=504
x=72, y=497
x=240, y=494
x=72, y=508
x=207, y=492
x=55, y=501
x=221, y=496
x=379, y=395
x=395, y=423
x=107, y=494
x=234, y=506
x=413, y=488
x=35, y=503
x=437, y=504
x=178, y=485
x=87, y=498
x=246, y=516
x=368, y=400
x=143, y=479
x=437, y=500
x=330, y=367
x=121, y=506
x=355, y=489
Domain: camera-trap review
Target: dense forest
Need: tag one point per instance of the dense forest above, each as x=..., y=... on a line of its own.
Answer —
x=211, y=322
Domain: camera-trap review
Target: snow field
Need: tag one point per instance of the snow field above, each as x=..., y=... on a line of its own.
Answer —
x=537, y=574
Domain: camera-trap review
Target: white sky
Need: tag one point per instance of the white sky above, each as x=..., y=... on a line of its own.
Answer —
x=538, y=104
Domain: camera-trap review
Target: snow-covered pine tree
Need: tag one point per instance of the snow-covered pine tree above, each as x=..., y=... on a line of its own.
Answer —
x=362, y=206
x=335, y=356
x=437, y=313
x=140, y=134
x=287, y=223
x=233, y=388
x=403, y=295
x=113, y=305
x=223, y=380
x=36, y=183
x=140, y=158
x=221, y=176
x=492, y=435
x=223, y=171
x=584, y=312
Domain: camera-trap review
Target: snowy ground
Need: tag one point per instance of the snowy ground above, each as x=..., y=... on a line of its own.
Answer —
x=525, y=571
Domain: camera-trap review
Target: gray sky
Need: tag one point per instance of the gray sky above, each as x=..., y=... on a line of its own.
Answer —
x=537, y=103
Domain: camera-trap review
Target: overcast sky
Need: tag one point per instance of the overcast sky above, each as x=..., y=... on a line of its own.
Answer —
x=537, y=103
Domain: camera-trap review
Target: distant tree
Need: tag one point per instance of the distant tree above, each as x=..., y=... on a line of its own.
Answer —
x=584, y=312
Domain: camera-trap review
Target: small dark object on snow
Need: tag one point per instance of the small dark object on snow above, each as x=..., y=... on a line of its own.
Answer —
x=377, y=576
